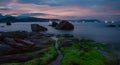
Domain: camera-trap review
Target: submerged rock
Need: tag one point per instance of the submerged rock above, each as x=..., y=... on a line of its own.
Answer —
x=8, y=23
x=38, y=28
x=112, y=25
x=65, y=25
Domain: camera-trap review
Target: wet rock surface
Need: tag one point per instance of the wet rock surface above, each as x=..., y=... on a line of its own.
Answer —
x=22, y=46
x=38, y=28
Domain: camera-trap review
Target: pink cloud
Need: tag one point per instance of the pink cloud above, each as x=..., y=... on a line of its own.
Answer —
x=59, y=11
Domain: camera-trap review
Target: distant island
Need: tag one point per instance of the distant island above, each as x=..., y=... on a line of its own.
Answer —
x=9, y=18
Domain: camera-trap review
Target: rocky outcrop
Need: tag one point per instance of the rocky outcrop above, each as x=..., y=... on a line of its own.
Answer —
x=8, y=23
x=21, y=57
x=65, y=25
x=112, y=25
x=37, y=28
x=13, y=48
x=17, y=34
x=5, y=49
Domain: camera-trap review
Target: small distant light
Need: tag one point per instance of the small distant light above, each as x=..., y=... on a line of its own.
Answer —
x=106, y=21
x=50, y=21
x=113, y=21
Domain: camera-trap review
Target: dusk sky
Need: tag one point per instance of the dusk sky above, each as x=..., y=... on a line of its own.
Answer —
x=62, y=9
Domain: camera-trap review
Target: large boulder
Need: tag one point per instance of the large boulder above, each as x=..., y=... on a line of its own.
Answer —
x=65, y=25
x=38, y=28
x=8, y=23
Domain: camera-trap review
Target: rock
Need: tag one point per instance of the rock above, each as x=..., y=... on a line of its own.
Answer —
x=65, y=25
x=13, y=43
x=1, y=38
x=17, y=58
x=8, y=23
x=2, y=26
x=66, y=43
x=17, y=34
x=25, y=42
x=20, y=35
x=38, y=28
x=112, y=25
x=5, y=49
x=23, y=46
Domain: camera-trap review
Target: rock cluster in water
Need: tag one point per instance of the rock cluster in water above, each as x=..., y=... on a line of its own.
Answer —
x=63, y=25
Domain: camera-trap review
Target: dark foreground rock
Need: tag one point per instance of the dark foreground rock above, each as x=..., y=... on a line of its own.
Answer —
x=38, y=28
x=8, y=23
x=17, y=34
x=21, y=57
x=65, y=25
x=15, y=47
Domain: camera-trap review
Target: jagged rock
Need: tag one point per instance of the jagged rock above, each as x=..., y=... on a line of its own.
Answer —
x=14, y=44
x=5, y=49
x=112, y=25
x=8, y=23
x=65, y=25
x=17, y=34
x=1, y=38
x=37, y=28
x=20, y=57
x=25, y=42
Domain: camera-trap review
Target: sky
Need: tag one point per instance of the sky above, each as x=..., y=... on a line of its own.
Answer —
x=62, y=9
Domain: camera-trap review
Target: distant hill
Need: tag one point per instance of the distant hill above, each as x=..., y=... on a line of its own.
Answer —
x=26, y=19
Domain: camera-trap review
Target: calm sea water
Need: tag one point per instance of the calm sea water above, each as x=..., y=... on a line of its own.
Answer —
x=96, y=31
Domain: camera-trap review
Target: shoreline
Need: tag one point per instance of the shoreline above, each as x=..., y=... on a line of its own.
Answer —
x=47, y=36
